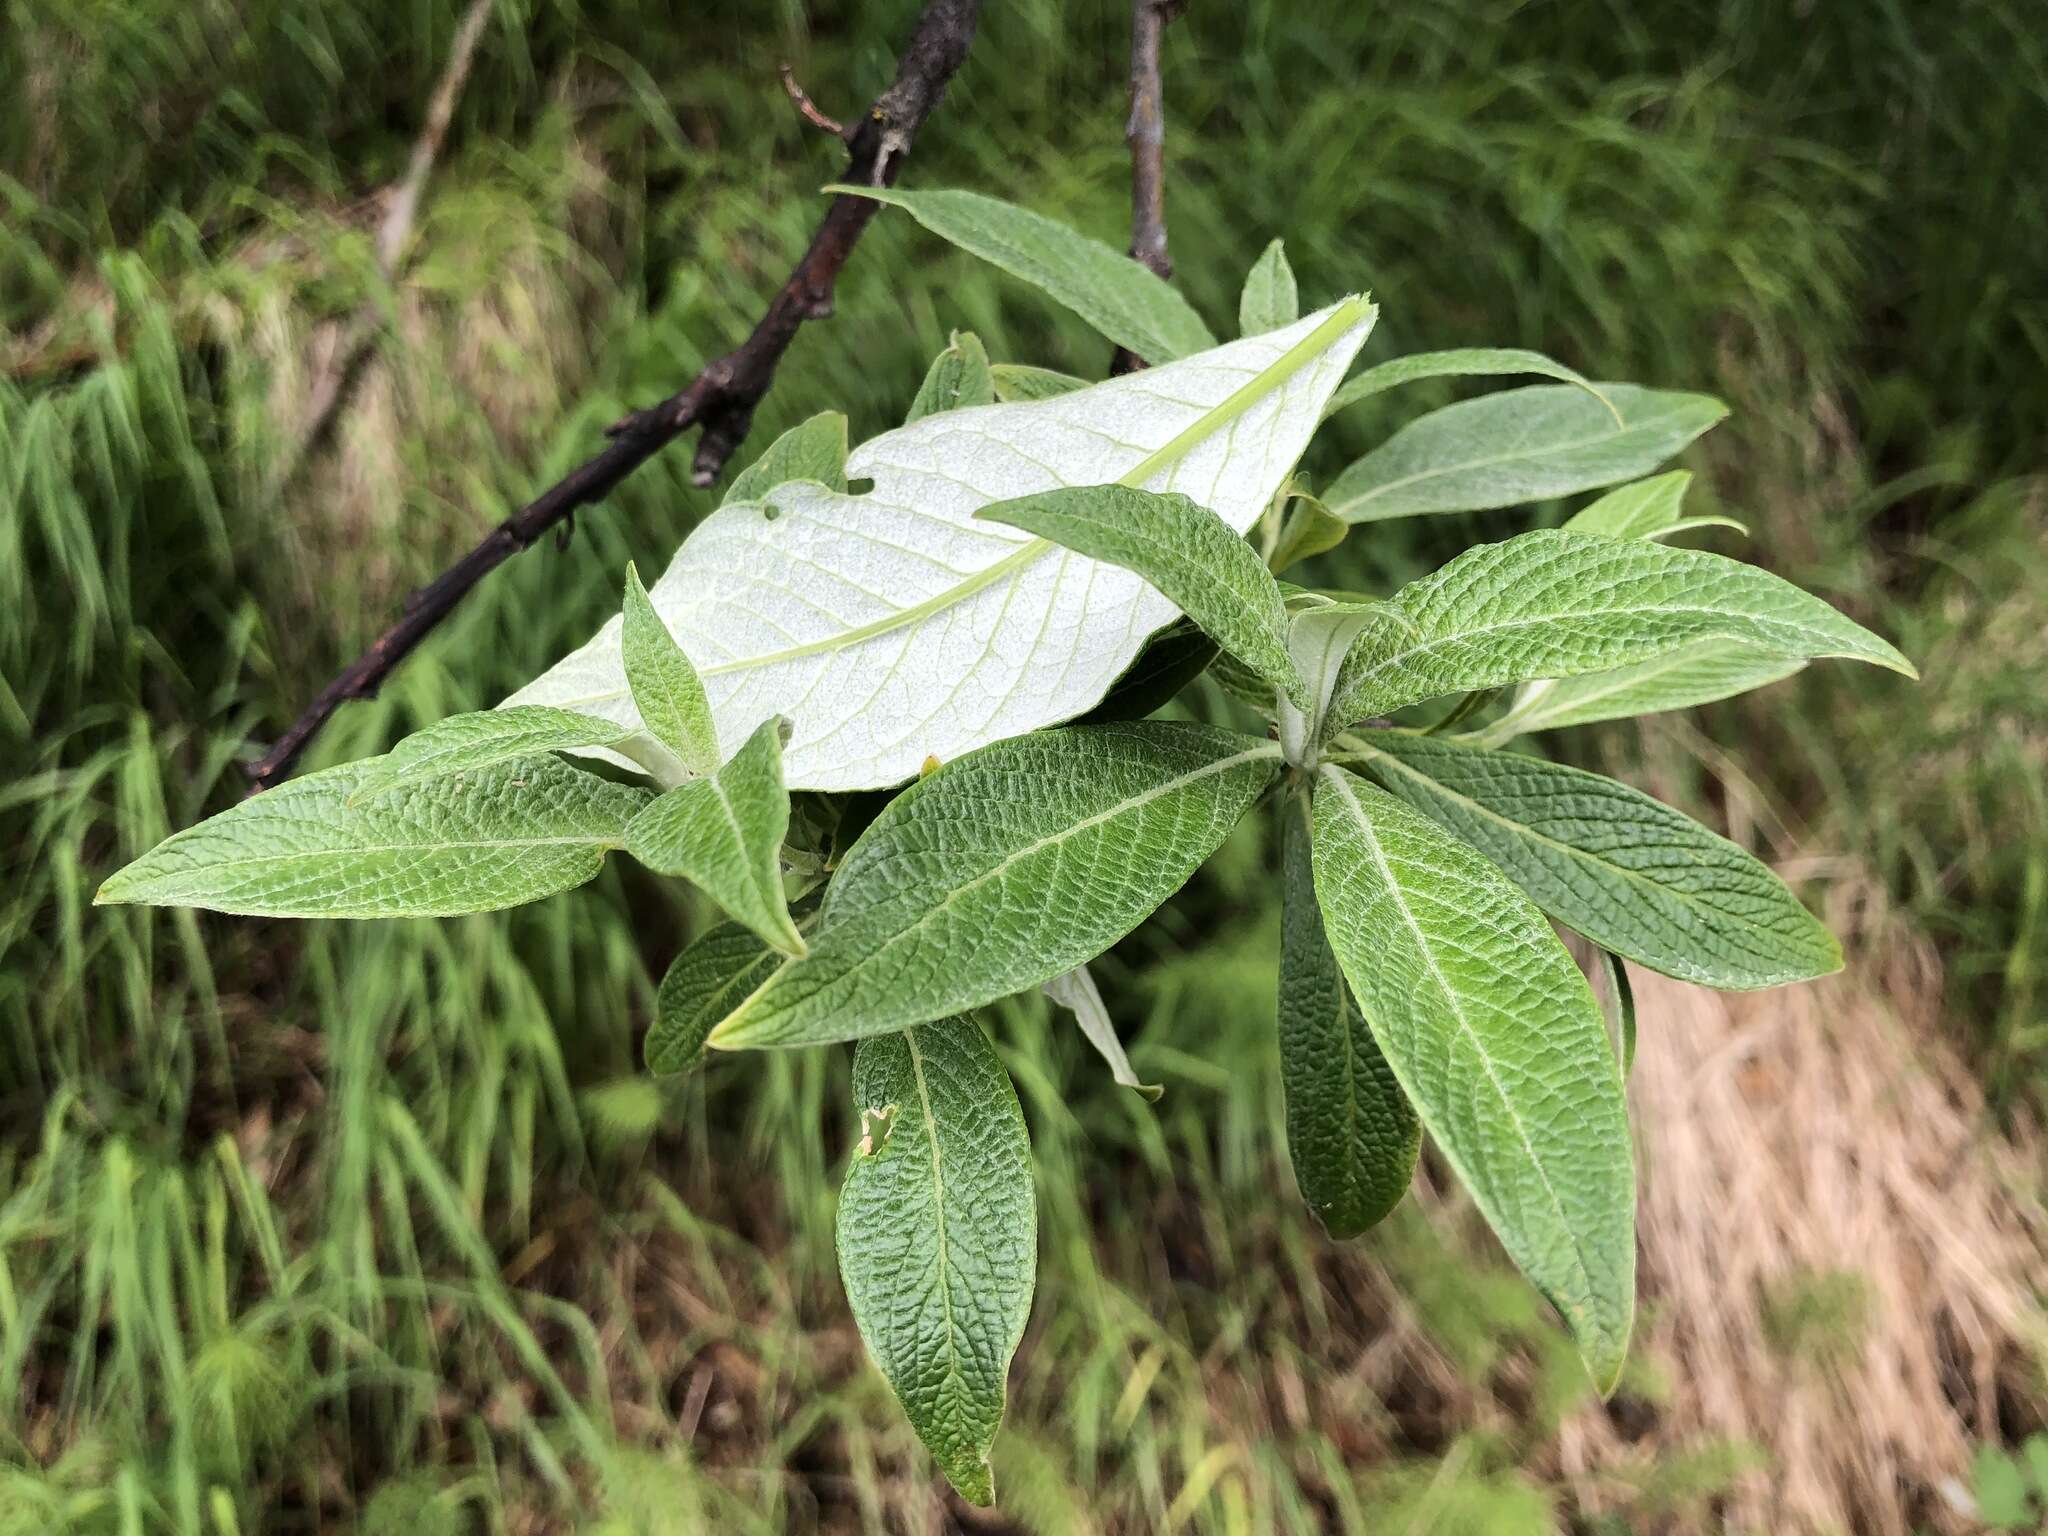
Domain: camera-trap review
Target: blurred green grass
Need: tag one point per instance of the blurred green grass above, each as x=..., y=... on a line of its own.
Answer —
x=304, y=1225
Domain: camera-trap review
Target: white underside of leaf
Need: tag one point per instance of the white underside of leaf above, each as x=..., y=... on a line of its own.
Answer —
x=891, y=627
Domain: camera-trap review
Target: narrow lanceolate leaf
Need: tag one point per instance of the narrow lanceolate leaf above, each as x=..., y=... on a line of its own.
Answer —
x=1002, y=870
x=1618, y=1003
x=465, y=744
x=1642, y=509
x=1699, y=673
x=1558, y=604
x=938, y=1235
x=1319, y=638
x=811, y=450
x=1631, y=874
x=895, y=626
x=1077, y=993
x=701, y=986
x=1177, y=655
x=1351, y=1133
x=1310, y=528
x=1520, y=445
x=315, y=847
x=1270, y=299
x=1124, y=301
x=1183, y=550
x=958, y=377
x=1022, y=382
x=667, y=693
x=1461, y=363
x=1497, y=1040
x=724, y=835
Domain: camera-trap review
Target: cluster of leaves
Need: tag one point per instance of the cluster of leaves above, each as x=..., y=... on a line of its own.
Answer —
x=1033, y=550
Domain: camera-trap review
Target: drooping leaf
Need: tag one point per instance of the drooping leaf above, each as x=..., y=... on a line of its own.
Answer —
x=1270, y=299
x=958, y=377
x=1021, y=382
x=1122, y=299
x=724, y=835
x=667, y=693
x=1517, y=446
x=1617, y=1000
x=1699, y=673
x=1176, y=656
x=1183, y=550
x=1076, y=992
x=938, y=1235
x=893, y=626
x=810, y=450
x=1628, y=872
x=1498, y=1043
x=312, y=847
x=1351, y=1132
x=465, y=744
x=1558, y=604
x=1002, y=870
x=1462, y=363
x=701, y=987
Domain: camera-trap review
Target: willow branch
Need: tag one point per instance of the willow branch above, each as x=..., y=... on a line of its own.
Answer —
x=720, y=400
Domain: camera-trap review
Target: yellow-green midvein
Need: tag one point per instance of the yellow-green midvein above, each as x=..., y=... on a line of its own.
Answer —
x=1278, y=372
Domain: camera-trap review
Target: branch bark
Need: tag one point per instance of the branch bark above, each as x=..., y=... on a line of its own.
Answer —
x=720, y=400
x=1145, y=133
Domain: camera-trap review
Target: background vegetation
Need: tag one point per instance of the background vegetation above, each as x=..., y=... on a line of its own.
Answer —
x=305, y=1226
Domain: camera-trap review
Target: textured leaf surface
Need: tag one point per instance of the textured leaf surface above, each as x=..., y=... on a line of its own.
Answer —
x=667, y=693
x=1183, y=550
x=312, y=848
x=810, y=450
x=1692, y=674
x=724, y=835
x=895, y=626
x=1520, y=445
x=1022, y=382
x=958, y=377
x=1122, y=299
x=1459, y=363
x=1076, y=992
x=465, y=744
x=1351, y=1133
x=1269, y=299
x=1001, y=871
x=1497, y=1040
x=1557, y=604
x=938, y=1235
x=700, y=988
x=1628, y=872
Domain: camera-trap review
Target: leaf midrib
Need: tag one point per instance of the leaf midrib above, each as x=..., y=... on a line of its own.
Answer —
x=954, y=1375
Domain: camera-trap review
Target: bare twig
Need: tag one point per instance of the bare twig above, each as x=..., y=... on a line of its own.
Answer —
x=352, y=347
x=1145, y=132
x=809, y=108
x=720, y=400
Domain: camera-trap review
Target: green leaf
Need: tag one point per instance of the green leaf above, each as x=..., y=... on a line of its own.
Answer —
x=1077, y=993
x=959, y=377
x=1183, y=550
x=1310, y=529
x=666, y=689
x=1518, y=446
x=1618, y=1002
x=724, y=835
x=1020, y=381
x=465, y=744
x=1462, y=363
x=938, y=1235
x=1497, y=1040
x=1320, y=638
x=1270, y=299
x=1558, y=604
x=1628, y=872
x=1175, y=657
x=315, y=847
x=1645, y=509
x=811, y=450
x=1120, y=298
x=1699, y=673
x=894, y=626
x=1002, y=870
x=700, y=988
x=2001, y=1490
x=1351, y=1132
